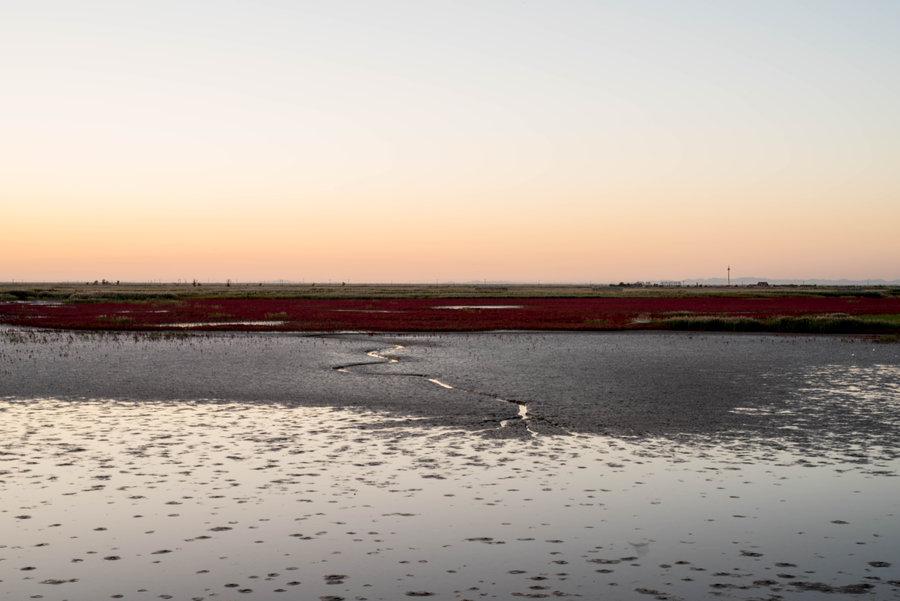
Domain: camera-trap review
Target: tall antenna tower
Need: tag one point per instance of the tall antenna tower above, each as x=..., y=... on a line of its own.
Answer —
x=729, y=275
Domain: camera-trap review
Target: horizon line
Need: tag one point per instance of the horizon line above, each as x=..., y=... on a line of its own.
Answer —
x=685, y=282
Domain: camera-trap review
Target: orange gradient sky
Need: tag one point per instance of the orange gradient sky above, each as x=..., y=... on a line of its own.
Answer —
x=422, y=141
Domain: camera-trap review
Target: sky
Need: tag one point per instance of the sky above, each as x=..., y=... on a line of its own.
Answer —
x=419, y=140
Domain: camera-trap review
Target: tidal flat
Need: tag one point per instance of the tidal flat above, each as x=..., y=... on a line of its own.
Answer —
x=468, y=466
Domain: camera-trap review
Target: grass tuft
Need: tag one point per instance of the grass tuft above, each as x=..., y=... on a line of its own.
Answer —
x=115, y=320
x=804, y=324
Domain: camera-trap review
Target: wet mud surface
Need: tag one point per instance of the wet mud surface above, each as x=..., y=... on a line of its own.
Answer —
x=812, y=391
x=454, y=467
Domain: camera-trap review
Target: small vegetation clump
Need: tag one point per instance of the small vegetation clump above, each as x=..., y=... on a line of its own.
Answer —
x=599, y=324
x=803, y=324
x=115, y=320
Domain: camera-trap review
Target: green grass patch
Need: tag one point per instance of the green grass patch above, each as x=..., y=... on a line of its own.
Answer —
x=115, y=320
x=600, y=324
x=891, y=319
x=804, y=324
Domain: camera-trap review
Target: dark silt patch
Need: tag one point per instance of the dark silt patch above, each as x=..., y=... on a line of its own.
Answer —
x=813, y=392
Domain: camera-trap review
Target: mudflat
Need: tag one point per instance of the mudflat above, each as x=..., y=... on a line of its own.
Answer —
x=464, y=466
x=634, y=383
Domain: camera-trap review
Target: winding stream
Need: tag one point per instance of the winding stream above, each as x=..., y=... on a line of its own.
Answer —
x=383, y=358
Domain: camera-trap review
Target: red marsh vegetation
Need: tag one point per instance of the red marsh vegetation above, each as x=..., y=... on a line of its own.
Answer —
x=783, y=313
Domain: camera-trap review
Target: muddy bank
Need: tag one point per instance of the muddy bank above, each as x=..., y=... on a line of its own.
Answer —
x=818, y=392
x=516, y=465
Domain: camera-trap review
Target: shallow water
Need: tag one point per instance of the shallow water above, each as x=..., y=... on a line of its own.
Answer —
x=220, y=324
x=224, y=500
x=460, y=467
x=469, y=307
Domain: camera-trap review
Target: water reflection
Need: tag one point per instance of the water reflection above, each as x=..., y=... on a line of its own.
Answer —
x=204, y=500
x=222, y=324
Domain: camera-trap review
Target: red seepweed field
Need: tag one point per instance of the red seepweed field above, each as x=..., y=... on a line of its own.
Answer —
x=462, y=314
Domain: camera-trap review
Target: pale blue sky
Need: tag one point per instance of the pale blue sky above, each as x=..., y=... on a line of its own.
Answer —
x=161, y=139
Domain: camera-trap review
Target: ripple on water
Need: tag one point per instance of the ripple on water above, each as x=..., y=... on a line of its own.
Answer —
x=193, y=500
